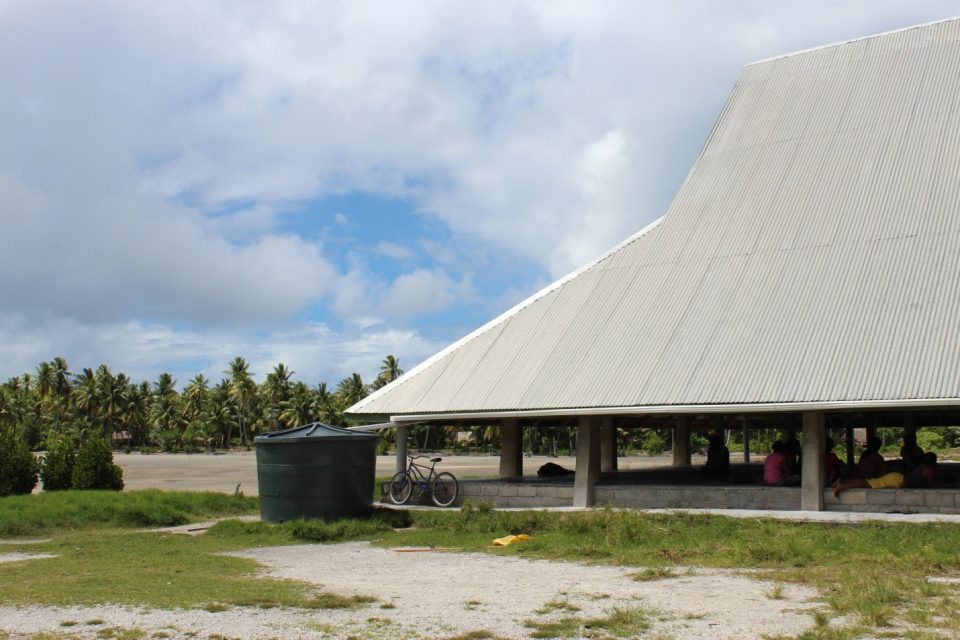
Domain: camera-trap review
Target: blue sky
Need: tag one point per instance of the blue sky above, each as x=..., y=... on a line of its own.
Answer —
x=322, y=184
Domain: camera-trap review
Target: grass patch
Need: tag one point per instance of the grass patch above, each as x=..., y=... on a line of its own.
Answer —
x=653, y=573
x=619, y=622
x=163, y=570
x=44, y=513
x=557, y=604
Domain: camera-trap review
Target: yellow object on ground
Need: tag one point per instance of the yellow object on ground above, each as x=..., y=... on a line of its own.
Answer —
x=508, y=540
x=892, y=480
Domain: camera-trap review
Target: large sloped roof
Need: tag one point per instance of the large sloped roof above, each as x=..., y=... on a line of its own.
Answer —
x=812, y=255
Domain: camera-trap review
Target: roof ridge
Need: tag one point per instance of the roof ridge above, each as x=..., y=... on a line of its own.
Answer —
x=851, y=40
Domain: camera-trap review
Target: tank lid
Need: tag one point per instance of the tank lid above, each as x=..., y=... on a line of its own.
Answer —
x=315, y=431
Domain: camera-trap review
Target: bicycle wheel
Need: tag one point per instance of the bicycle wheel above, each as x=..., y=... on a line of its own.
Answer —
x=400, y=488
x=444, y=489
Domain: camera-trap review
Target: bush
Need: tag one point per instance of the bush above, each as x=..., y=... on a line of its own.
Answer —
x=655, y=444
x=18, y=467
x=56, y=471
x=94, y=468
x=931, y=441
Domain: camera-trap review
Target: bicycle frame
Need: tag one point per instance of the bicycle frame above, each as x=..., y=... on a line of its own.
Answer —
x=421, y=475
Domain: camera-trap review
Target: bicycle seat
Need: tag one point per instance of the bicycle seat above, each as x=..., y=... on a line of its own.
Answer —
x=435, y=459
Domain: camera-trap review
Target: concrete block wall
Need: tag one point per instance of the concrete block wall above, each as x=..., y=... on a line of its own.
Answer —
x=895, y=501
x=518, y=494
x=553, y=494
x=692, y=497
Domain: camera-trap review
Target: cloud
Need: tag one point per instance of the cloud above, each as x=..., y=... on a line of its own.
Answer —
x=314, y=351
x=392, y=250
x=420, y=292
x=151, y=150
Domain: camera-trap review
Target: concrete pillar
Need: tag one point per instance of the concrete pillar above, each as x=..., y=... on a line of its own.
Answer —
x=746, y=439
x=814, y=473
x=851, y=452
x=608, y=445
x=588, y=462
x=511, y=449
x=401, y=448
x=681, y=442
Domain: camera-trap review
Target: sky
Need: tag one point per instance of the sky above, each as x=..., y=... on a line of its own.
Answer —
x=325, y=183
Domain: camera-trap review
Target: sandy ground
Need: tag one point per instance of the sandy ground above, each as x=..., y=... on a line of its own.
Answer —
x=223, y=472
x=439, y=595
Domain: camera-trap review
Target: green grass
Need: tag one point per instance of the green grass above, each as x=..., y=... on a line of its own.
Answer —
x=619, y=622
x=44, y=513
x=99, y=565
x=875, y=573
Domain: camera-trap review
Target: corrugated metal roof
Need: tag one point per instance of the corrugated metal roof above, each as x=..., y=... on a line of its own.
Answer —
x=811, y=256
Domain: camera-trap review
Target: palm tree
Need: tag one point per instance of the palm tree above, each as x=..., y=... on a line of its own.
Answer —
x=351, y=390
x=241, y=391
x=277, y=389
x=300, y=408
x=195, y=394
x=326, y=406
x=389, y=371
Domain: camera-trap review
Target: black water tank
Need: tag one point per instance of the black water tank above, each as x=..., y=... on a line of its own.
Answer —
x=315, y=471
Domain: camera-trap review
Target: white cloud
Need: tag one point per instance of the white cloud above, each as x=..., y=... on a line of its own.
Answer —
x=420, y=292
x=546, y=131
x=313, y=351
x=393, y=250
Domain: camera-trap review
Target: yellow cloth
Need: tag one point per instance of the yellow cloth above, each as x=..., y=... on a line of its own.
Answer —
x=508, y=540
x=892, y=480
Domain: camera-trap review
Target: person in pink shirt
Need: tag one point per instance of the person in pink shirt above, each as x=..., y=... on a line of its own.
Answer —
x=776, y=467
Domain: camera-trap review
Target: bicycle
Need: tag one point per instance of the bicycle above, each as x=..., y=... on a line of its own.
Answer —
x=443, y=486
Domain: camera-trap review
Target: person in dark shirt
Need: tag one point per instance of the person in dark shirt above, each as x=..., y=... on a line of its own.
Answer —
x=871, y=464
x=718, y=458
x=911, y=455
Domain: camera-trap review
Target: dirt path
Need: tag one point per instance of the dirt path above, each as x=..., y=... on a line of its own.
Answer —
x=440, y=595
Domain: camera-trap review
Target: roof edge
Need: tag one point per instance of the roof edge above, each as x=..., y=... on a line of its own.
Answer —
x=843, y=42
x=502, y=317
x=756, y=407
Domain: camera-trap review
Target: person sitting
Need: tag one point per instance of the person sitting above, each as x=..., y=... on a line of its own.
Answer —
x=871, y=464
x=911, y=455
x=831, y=462
x=925, y=475
x=776, y=467
x=718, y=458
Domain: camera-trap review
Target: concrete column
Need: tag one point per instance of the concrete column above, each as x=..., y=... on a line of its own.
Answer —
x=588, y=462
x=511, y=449
x=608, y=445
x=681, y=442
x=746, y=439
x=848, y=433
x=814, y=474
x=401, y=448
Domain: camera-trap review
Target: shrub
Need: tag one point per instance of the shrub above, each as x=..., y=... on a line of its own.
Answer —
x=56, y=472
x=655, y=444
x=18, y=467
x=931, y=441
x=94, y=468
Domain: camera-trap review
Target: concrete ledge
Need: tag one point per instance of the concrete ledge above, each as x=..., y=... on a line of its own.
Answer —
x=535, y=494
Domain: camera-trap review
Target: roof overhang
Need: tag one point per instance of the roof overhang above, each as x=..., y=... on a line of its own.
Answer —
x=769, y=407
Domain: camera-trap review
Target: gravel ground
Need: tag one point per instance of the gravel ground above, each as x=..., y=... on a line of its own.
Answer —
x=439, y=595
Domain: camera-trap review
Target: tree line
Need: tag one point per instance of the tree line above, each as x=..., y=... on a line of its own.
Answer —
x=54, y=403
